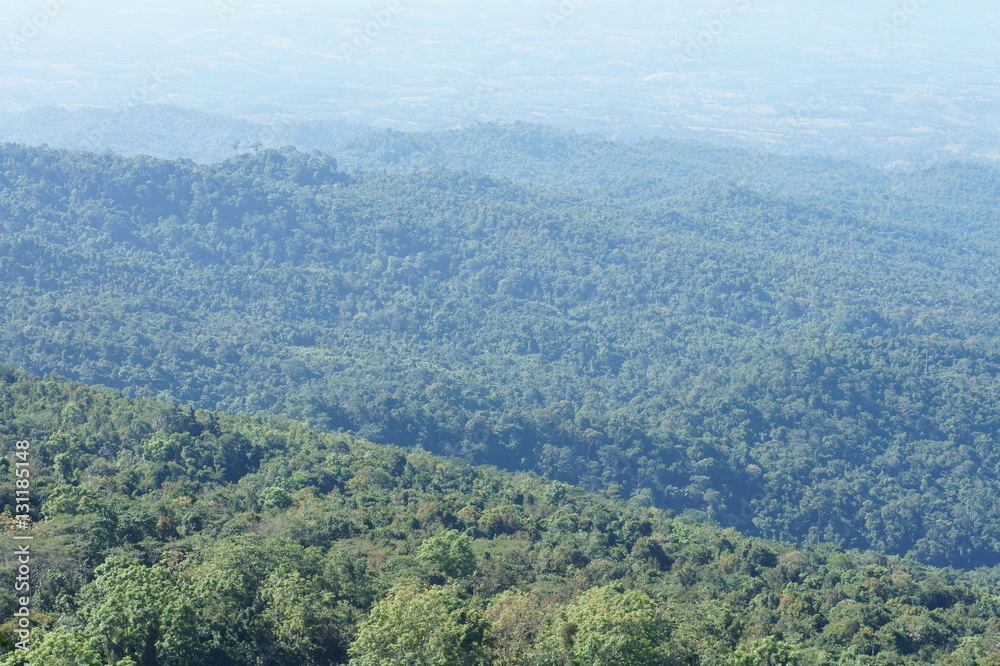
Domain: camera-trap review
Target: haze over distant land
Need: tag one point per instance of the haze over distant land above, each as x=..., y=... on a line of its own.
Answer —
x=880, y=81
x=707, y=291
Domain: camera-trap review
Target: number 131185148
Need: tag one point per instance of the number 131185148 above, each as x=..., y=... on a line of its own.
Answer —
x=22, y=483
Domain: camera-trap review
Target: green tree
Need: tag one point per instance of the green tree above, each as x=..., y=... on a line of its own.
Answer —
x=60, y=647
x=308, y=624
x=137, y=612
x=612, y=626
x=514, y=622
x=449, y=552
x=975, y=651
x=414, y=626
x=766, y=652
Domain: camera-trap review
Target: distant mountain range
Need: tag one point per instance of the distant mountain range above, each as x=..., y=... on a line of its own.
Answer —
x=802, y=348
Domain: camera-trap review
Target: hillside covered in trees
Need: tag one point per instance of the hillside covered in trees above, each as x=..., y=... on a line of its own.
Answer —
x=808, y=354
x=169, y=535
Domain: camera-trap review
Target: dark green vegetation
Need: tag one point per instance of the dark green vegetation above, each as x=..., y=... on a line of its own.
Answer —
x=805, y=351
x=168, y=536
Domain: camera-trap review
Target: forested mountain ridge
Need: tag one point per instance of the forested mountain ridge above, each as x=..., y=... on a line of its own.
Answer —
x=801, y=369
x=540, y=155
x=168, y=535
x=545, y=156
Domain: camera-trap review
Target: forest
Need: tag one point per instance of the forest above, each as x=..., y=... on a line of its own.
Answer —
x=800, y=350
x=165, y=535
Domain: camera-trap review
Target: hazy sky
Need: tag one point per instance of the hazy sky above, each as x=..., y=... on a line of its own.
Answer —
x=73, y=44
x=410, y=63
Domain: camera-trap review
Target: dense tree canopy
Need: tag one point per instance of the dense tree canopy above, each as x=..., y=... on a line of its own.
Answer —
x=326, y=549
x=807, y=355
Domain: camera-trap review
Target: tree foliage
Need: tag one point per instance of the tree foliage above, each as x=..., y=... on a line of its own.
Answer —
x=806, y=355
x=381, y=555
